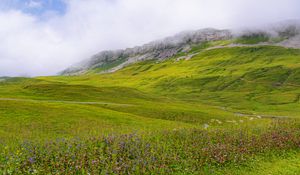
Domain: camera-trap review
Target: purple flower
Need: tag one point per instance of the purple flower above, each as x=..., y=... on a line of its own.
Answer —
x=31, y=160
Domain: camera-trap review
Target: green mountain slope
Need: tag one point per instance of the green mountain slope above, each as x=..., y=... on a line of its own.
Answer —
x=262, y=79
x=209, y=110
x=221, y=84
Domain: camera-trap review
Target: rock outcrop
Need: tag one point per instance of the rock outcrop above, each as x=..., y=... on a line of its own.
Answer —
x=160, y=50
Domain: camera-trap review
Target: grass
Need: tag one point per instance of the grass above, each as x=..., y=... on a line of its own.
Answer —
x=175, y=152
x=286, y=163
x=43, y=120
x=237, y=90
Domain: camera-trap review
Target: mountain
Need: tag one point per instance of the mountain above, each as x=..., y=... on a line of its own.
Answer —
x=110, y=61
x=285, y=34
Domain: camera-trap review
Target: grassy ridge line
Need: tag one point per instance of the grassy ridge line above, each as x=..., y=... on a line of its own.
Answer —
x=143, y=104
x=60, y=101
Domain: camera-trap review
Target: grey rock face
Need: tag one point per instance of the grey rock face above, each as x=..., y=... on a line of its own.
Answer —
x=159, y=50
x=293, y=42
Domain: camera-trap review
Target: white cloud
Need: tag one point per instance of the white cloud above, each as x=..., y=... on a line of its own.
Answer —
x=29, y=46
x=34, y=4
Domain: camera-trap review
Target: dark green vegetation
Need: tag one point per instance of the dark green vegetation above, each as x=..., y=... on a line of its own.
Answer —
x=236, y=94
x=253, y=38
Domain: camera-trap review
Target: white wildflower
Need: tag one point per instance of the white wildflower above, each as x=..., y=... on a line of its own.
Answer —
x=219, y=121
x=205, y=126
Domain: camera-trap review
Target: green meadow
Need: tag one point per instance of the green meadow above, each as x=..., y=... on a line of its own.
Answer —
x=231, y=110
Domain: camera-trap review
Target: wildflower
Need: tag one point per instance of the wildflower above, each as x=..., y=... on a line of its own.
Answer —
x=31, y=160
x=205, y=126
x=219, y=121
x=230, y=121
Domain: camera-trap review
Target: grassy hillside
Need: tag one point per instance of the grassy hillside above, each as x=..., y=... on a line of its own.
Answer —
x=234, y=89
x=263, y=79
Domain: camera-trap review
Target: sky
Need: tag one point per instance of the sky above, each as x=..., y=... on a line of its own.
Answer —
x=43, y=37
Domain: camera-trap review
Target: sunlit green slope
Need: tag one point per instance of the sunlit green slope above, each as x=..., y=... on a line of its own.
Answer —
x=226, y=84
x=265, y=79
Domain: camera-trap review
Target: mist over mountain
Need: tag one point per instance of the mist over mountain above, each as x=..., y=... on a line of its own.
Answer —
x=285, y=33
x=161, y=49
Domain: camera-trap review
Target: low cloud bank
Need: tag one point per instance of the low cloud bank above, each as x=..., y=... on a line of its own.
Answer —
x=44, y=44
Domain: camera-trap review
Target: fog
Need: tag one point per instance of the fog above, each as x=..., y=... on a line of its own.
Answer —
x=35, y=44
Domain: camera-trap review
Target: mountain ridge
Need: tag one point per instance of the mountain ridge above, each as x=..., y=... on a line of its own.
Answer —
x=284, y=34
x=160, y=49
